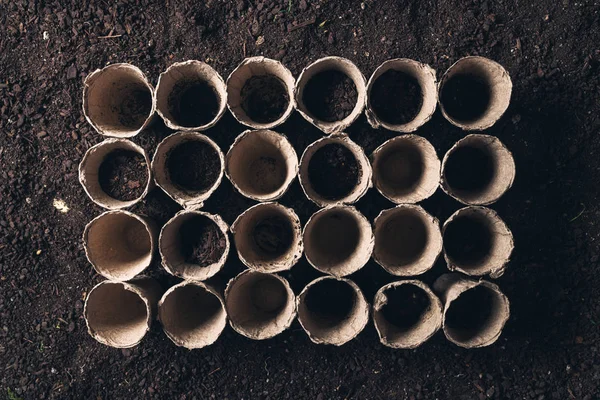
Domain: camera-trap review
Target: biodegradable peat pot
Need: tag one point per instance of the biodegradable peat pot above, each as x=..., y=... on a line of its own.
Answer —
x=408, y=240
x=194, y=245
x=192, y=314
x=338, y=240
x=406, y=169
x=190, y=96
x=260, y=305
x=332, y=310
x=478, y=170
x=401, y=95
x=118, y=314
x=189, y=167
x=406, y=314
x=334, y=170
x=477, y=242
x=475, y=312
x=118, y=100
x=268, y=237
x=96, y=172
x=474, y=93
x=331, y=93
x=261, y=165
x=120, y=244
x=260, y=93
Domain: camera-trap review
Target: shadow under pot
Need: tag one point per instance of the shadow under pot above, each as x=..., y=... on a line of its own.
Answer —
x=115, y=173
x=189, y=167
x=334, y=170
x=194, y=245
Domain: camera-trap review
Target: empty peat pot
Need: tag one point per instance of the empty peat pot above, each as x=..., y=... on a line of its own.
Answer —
x=115, y=173
x=260, y=93
x=188, y=166
x=474, y=93
x=331, y=93
x=408, y=240
x=406, y=314
x=259, y=305
x=401, y=95
x=194, y=245
x=268, y=237
x=118, y=314
x=475, y=312
x=478, y=170
x=261, y=164
x=192, y=314
x=190, y=95
x=477, y=242
x=406, y=169
x=332, y=310
x=338, y=240
x=334, y=170
x=120, y=244
x=118, y=100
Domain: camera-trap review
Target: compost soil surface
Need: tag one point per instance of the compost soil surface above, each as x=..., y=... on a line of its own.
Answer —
x=193, y=166
x=264, y=98
x=193, y=103
x=330, y=95
x=333, y=171
x=549, y=348
x=465, y=97
x=202, y=242
x=123, y=175
x=396, y=97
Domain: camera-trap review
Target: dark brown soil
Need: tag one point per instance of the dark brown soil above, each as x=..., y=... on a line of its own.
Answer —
x=469, y=168
x=273, y=236
x=135, y=108
x=330, y=95
x=549, y=348
x=202, y=242
x=331, y=300
x=193, y=103
x=264, y=98
x=396, y=97
x=465, y=97
x=405, y=306
x=193, y=166
x=123, y=175
x=467, y=240
x=333, y=171
x=470, y=312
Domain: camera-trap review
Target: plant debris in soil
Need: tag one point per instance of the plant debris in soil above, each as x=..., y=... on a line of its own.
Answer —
x=264, y=98
x=333, y=171
x=405, y=306
x=469, y=168
x=465, y=97
x=193, y=166
x=193, y=104
x=396, y=97
x=273, y=236
x=123, y=175
x=202, y=242
x=467, y=240
x=331, y=301
x=135, y=108
x=330, y=95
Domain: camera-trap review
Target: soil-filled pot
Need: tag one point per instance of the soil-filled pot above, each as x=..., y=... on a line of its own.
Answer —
x=477, y=242
x=260, y=305
x=478, y=170
x=268, y=237
x=189, y=167
x=261, y=164
x=260, y=93
x=406, y=314
x=120, y=244
x=408, y=240
x=406, y=169
x=194, y=245
x=115, y=173
x=338, y=240
x=401, y=95
x=475, y=312
x=192, y=314
x=118, y=100
x=332, y=310
x=118, y=314
x=190, y=95
x=331, y=93
x=334, y=170
x=474, y=93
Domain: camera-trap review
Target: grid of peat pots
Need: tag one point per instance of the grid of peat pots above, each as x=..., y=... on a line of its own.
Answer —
x=268, y=238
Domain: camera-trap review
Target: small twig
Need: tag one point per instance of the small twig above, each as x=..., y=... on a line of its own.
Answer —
x=109, y=37
x=212, y=372
x=303, y=24
x=578, y=215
